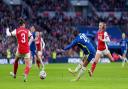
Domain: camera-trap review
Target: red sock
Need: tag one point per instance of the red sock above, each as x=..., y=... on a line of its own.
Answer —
x=38, y=63
x=15, y=67
x=26, y=71
x=93, y=67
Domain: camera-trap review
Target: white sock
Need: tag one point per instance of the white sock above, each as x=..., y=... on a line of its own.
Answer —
x=123, y=62
x=78, y=67
x=30, y=63
x=25, y=76
x=81, y=72
x=42, y=64
x=126, y=60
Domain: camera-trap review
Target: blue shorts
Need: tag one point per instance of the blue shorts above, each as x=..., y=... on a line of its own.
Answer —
x=123, y=51
x=33, y=53
x=90, y=57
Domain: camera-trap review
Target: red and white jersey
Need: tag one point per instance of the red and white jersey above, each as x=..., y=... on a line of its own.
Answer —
x=103, y=38
x=22, y=35
x=39, y=44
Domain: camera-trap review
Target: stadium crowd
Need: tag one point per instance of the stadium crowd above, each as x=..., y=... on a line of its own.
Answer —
x=110, y=5
x=58, y=30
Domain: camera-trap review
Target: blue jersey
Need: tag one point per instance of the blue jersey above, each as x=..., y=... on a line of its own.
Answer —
x=84, y=43
x=124, y=45
x=33, y=45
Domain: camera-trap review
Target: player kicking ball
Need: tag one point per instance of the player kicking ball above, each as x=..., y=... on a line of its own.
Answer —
x=83, y=43
x=22, y=34
x=40, y=45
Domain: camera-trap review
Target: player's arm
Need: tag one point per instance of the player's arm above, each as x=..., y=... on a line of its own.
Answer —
x=106, y=37
x=8, y=33
x=74, y=42
x=43, y=43
x=31, y=37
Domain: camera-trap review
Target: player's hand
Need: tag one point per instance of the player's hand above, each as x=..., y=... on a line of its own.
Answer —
x=60, y=50
x=7, y=31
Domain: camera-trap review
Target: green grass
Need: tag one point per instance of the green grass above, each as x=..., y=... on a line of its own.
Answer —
x=106, y=76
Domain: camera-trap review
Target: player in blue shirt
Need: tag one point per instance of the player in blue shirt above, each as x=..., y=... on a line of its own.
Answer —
x=33, y=45
x=83, y=43
x=124, y=47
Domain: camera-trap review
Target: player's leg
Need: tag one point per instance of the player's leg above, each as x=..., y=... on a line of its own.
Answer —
x=15, y=65
x=31, y=59
x=40, y=59
x=82, y=69
x=34, y=58
x=124, y=59
x=97, y=57
x=86, y=61
x=42, y=63
x=37, y=60
x=27, y=67
x=107, y=53
x=78, y=67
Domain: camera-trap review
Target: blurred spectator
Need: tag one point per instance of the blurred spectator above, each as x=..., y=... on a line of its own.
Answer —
x=110, y=5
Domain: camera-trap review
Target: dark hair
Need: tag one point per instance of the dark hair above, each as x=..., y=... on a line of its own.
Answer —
x=21, y=21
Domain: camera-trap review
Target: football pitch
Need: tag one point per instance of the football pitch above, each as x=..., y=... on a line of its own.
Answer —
x=106, y=76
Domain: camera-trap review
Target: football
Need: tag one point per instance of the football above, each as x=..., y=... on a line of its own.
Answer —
x=42, y=74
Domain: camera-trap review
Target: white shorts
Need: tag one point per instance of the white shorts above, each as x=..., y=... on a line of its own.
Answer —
x=103, y=52
x=39, y=53
x=27, y=55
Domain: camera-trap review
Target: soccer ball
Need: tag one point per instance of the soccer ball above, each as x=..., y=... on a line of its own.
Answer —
x=42, y=74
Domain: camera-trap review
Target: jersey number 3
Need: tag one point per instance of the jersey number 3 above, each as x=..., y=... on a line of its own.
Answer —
x=23, y=38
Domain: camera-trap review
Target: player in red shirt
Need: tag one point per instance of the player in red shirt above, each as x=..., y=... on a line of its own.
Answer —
x=102, y=48
x=39, y=49
x=22, y=34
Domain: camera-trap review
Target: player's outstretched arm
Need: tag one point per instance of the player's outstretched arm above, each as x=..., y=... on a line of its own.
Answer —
x=43, y=43
x=8, y=33
x=74, y=42
x=60, y=50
